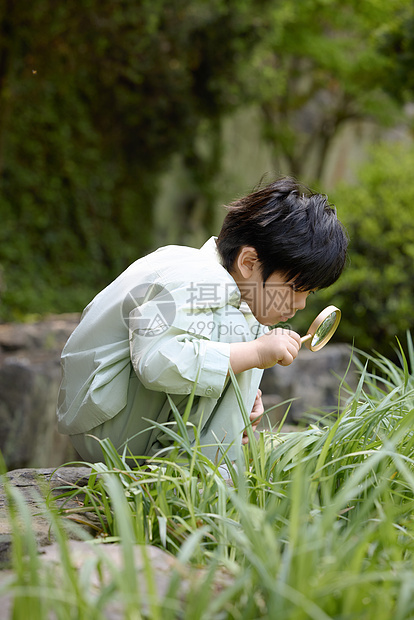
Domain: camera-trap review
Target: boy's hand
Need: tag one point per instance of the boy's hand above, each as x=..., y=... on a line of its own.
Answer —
x=255, y=416
x=278, y=346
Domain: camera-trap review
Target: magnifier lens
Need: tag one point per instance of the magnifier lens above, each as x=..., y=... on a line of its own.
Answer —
x=324, y=330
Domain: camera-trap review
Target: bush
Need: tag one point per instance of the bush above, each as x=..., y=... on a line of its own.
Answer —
x=95, y=98
x=376, y=293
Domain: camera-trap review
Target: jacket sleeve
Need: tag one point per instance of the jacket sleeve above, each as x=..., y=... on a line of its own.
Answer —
x=175, y=361
x=171, y=350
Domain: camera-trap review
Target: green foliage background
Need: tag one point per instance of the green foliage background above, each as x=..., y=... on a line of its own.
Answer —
x=95, y=98
x=376, y=291
x=98, y=98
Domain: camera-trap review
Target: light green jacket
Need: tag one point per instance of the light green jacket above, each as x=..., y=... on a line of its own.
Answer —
x=162, y=325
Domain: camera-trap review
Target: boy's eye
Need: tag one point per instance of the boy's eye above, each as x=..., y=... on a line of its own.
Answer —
x=297, y=289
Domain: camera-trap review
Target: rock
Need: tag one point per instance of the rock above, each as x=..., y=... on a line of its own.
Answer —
x=162, y=566
x=34, y=485
x=313, y=381
x=30, y=376
x=5, y=549
x=99, y=564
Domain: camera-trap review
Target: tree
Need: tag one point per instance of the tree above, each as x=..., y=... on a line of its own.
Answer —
x=95, y=98
x=323, y=68
x=396, y=42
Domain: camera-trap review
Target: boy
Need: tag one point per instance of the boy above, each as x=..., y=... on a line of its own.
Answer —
x=182, y=316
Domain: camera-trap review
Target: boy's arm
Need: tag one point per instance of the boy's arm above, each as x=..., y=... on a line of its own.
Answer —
x=183, y=350
x=278, y=346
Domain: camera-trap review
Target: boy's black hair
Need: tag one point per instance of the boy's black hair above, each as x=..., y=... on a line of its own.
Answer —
x=293, y=230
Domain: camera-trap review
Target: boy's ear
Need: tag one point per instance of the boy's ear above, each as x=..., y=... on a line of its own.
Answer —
x=247, y=261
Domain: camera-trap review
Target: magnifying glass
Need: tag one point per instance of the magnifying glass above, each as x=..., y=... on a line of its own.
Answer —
x=322, y=328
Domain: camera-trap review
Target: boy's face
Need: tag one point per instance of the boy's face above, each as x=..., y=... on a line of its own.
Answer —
x=275, y=302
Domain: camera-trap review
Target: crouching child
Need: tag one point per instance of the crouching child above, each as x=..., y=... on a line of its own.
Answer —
x=180, y=318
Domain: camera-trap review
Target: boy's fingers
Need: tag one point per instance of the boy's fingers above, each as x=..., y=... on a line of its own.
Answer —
x=255, y=415
x=258, y=408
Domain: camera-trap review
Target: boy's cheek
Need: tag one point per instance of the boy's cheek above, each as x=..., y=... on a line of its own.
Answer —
x=277, y=300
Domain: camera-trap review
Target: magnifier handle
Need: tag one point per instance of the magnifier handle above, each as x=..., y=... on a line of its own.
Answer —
x=306, y=338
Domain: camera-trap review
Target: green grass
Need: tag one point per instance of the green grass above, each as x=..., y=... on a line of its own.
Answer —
x=319, y=523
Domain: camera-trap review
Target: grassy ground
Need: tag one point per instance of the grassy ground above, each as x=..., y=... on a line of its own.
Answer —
x=318, y=523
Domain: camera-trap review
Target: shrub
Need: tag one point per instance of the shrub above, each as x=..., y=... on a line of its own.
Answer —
x=376, y=293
